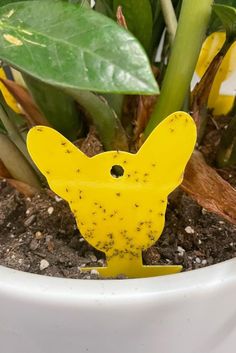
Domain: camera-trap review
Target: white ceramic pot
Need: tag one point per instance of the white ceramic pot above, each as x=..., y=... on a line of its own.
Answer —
x=193, y=312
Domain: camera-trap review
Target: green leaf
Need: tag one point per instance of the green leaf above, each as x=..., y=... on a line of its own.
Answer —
x=82, y=2
x=226, y=2
x=72, y=47
x=227, y=16
x=105, y=7
x=5, y=2
x=138, y=15
x=215, y=23
x=58, y=107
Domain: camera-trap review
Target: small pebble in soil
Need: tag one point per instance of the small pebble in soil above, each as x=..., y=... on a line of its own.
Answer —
x=43, y=264
x=34, y=244
x=198, y=261
x=189, y=230
x=38, y=235
x=50, y=210
x=58, y=199
x=101, y=262
x=29, y=220
x=90, y=255
x=94, y=272
x=180, y=250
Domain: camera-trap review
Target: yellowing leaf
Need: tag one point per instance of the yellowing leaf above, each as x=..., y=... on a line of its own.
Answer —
x=10, y=100
x=221, y=104
x=210, y=48
x=119, y=214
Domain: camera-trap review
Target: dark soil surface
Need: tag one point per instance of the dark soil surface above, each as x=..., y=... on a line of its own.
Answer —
x=39, y=235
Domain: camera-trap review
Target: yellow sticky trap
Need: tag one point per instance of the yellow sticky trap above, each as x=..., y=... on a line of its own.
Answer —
x=221, y=104
x=119, y=199
x=10, y=100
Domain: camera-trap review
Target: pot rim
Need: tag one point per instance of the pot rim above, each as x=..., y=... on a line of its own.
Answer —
x=53, y=289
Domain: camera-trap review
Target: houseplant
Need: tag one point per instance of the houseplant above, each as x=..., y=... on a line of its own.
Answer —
x=55, y=314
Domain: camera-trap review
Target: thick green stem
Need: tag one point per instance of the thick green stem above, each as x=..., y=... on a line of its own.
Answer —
x=7, y=119
x=14, y=133
x=108, y=125
x=193, y=21
x=16, y=163
x=170, y=18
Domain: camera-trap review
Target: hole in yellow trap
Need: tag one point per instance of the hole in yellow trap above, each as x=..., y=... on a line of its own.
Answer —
x=117, y=171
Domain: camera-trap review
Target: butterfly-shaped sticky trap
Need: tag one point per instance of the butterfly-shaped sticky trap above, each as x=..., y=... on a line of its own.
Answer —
x=119, y=199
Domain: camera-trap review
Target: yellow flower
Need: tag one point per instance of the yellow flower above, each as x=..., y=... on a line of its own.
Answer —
x=10, y=100
x=221, y=104
x=123, y=214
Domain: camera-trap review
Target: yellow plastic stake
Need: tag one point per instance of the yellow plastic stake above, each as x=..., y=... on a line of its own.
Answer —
x=10, y=100
x=119, y=199
x=221, y=104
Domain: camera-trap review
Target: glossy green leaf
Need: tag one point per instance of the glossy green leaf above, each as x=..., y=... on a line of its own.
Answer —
x=215, y=23
x=5, y=2
x=138, y=15
x=73, y=47
x=226, y=2
x=105, y=7
x=58, y=107
x=227, y=16
x=83, y=2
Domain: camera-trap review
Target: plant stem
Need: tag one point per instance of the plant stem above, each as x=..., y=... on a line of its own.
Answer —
x=16, y=163
x=170, y=18
x=13, y=133
x=105, y=120
x=193, y=21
